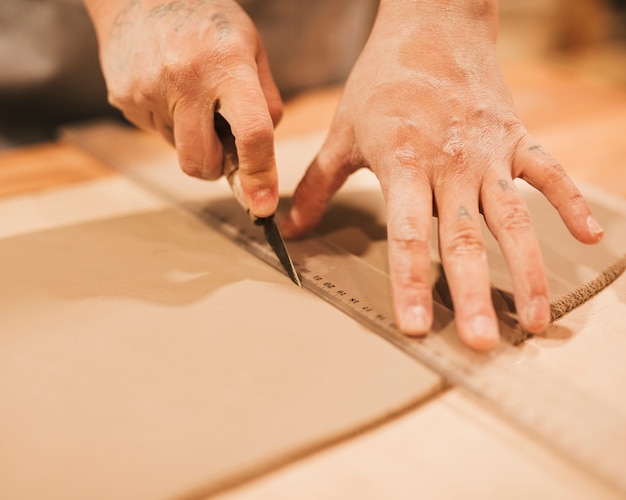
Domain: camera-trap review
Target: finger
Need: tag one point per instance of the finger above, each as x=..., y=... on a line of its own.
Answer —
x=465, y=262
x=164, y=126
x=243, y=105
x=145, y=111
x=198, y=147
x=510, y=222
x=326, y=174
x=533, y=164
x=409, y=208
x=268, y=85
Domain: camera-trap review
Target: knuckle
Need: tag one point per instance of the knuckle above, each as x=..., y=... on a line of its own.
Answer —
x=557, y=179
x=119, y=95
x=407, y=235
x=406, y=157
x=145, y=91
x=514, y=217
x=554, y=173
x=465, y=242
x=455, y=149
x=227, y=57
x=130, y=93
x=576, y=198
x=257, y=135
x=181, y=76
x=570, y=202
x=537, y=282
x=228, y=49
x=473, y=301
x=416, y=283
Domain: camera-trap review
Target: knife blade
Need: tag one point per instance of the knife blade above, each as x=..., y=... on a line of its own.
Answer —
x=230, y=169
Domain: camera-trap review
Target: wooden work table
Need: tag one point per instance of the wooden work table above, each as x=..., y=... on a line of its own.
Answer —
x=466, y=451
x=579, y=118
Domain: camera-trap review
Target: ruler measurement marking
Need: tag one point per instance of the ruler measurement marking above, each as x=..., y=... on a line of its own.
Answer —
x=561, y=422
x=570, y=443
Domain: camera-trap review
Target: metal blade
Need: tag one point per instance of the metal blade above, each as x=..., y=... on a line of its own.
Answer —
x=274, y=238
x=230, y=169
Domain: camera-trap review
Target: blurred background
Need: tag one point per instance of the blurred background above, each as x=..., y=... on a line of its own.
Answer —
x=586, y=35
x=49, y=71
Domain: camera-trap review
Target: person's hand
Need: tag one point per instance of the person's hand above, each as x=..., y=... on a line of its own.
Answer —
x=169, y=65
x=425, y=108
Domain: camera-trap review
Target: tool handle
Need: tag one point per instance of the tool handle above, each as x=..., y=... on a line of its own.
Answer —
x=231, y=172
x=230, y=165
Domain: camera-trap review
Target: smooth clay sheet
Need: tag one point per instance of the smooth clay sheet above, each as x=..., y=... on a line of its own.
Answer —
x=144, y=356
x=356, y=221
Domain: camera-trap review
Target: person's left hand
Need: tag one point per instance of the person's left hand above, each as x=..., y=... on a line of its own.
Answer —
x=426, y=109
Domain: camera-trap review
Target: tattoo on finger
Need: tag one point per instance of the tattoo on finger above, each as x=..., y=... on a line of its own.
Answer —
x=184, y=10
x=506, y=185
x=222, y=23
x=179, y=13
x=463, y=213
x=538, y=147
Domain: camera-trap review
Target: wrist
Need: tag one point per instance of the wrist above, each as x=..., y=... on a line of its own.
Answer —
x=466, y=18
x=438, y=37
x=470, y=9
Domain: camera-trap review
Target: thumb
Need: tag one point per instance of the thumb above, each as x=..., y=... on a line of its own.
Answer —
x=244, y=107
x=323, y=178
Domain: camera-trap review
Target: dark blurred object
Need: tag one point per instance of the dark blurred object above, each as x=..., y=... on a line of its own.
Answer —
x=587, y=36
x=619, y=24
x=585, y=22
x=311, y=43
x=541, y=27
x=49, y=68
x=592, y=39
x=50, y=74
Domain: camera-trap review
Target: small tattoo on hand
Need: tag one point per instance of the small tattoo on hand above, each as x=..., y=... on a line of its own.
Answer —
x=505, y=185
x=538, y=147
x=463, y=213
x=179, y=14
x=122, y=34
x=221, y=23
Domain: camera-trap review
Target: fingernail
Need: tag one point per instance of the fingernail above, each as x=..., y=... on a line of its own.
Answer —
x=594, y=227
x=537, y=314
x=484, y=333
x=263, y=203
x=415, y=320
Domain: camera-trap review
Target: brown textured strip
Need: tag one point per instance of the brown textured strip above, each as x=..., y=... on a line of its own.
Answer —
x=572, y=300
x=47, y=166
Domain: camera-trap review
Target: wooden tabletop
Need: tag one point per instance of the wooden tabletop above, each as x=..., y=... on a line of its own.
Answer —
x=581, y=119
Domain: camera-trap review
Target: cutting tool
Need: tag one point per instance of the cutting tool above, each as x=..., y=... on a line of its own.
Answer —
x=563, y=414
x=230, y=170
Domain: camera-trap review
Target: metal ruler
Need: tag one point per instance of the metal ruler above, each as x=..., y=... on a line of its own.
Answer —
x=562, y=416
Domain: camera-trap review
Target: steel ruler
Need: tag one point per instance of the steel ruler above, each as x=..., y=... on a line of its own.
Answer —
x=570, y=420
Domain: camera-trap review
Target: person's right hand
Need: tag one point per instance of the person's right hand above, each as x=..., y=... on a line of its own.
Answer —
x=170, y=65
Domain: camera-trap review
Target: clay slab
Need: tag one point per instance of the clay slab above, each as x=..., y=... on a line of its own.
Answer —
x=144, y=356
